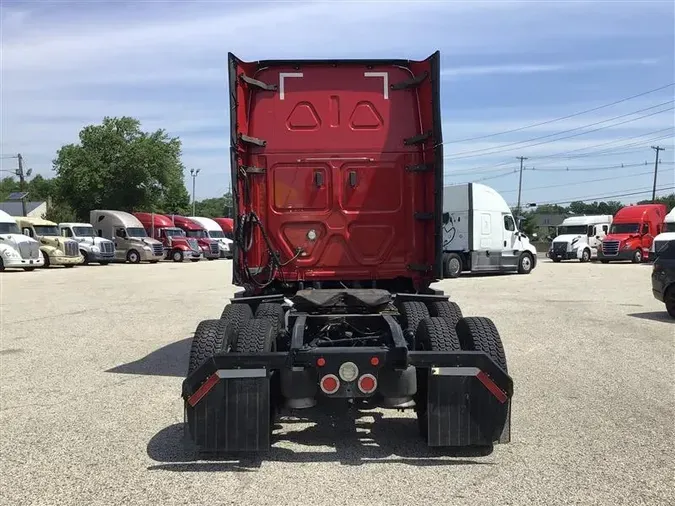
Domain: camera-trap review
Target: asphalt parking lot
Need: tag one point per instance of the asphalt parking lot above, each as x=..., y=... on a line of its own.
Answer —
x=92, y=360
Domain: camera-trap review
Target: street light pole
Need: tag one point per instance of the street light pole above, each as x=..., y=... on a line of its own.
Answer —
x=194, y=174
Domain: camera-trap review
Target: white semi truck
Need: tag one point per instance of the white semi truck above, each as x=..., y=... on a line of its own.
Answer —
x=579, y=238
x=667, y=233
x=215, y=232
x=480, y=234
x=92, y=248
x=17, y=251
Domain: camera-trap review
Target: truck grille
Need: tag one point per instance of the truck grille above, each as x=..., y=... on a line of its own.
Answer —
x=29, y=250
x=214, y=248
x=610, y=248
x=158, y=249
x=193, y=244
x=71, y=249
x=559, y=248
x=107, y=247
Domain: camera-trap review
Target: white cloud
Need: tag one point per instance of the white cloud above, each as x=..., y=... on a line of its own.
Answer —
x=523, y=68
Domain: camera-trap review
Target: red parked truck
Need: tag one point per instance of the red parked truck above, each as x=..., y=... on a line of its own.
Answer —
x=632, y=233
x=192, y=229
x=227, y=224
x=177, y=246
x=338, y=174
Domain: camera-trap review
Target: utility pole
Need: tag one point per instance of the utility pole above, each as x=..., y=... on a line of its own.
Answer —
x=520, y=180
x=656, y=169
x=194, y=174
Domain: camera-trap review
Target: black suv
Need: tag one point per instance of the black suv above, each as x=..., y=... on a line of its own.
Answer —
x=663, y=274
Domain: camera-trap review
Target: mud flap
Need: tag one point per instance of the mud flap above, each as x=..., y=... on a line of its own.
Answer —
x=230, y=412
x=465, y=408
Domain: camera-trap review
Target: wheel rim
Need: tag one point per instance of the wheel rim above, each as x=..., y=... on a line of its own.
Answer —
x=453, y=266
x=638, y=255
x=177, y=256
x=526, y=263
x=133, y=257
x=586, y=254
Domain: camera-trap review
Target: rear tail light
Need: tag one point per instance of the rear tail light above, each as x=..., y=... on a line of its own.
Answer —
x=367, y=383
x=329, y=384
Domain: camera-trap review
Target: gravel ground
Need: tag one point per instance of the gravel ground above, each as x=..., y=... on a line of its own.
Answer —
x=92, y=360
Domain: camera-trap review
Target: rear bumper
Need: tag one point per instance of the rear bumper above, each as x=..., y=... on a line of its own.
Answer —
x=228, y=400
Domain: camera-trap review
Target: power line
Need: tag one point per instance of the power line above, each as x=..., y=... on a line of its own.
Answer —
x=592, y=169
x=561, y=118
x=601, y=197
x=563, y=185
x=483, y=152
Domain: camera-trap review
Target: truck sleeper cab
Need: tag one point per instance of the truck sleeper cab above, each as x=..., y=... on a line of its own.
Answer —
x=338, y=167
x=632, y=233
x=17, y=251
x=56, y=250
x=667, y=233
x=132, y=243
x=177, y=246
x=480, y=234
x=194, y=230
x=216, y=233
x=92, y=248
x=579, y=238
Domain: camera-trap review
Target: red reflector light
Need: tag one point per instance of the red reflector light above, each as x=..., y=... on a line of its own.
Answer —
x=492, y=387
x=374, y=361
x=329, y=384
x=203, y=390
x=367, y=383
x=321, y=362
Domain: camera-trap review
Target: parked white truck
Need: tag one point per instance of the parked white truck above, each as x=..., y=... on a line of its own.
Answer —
x=17, y=251
x=667, y=233
x=480, y=234
x=215, y=232
x=579, y=238
x=92, y=248
x=132, y=243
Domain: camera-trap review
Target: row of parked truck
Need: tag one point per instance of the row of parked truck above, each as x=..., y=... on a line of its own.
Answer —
x=112, y=236
x=633, y=233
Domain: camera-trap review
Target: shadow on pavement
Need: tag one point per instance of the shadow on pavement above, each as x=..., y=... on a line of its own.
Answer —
x=351, y=442
x=657, y=316
x=169, y=360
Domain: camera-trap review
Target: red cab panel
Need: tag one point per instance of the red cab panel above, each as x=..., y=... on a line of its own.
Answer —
x=341, y=163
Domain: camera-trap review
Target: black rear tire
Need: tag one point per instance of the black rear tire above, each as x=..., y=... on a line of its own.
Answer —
x=237, y=315
x=477, y=333
x=433, y=334
x=445, y=309
x=412, y=313
x=210, y=338
x=669, y=297
x=274, y=313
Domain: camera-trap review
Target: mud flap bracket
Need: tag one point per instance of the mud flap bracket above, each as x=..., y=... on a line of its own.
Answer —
x=417, y=139
x=462, y=411
x=252, y=140
x=230, y=411
x=411, y=83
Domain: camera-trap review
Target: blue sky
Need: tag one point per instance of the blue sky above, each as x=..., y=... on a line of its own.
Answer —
x=506, y=65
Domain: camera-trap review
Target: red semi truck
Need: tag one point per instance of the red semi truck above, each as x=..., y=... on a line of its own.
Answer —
x=177, y=246
x=632, y=233
x=227, y=224
x=192, y=229
x=338, y=174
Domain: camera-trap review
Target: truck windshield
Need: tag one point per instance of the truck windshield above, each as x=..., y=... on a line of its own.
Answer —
x=668, y=227
x=84, y=231
x=624, y=228
x=196, y=233
x=572, y=229
x=46, y=230
x=9, y=228
x=174, y=232
x=216, y=234
x=136, y=232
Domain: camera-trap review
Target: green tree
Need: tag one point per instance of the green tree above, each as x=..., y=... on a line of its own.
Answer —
x=116, y=165
x=214, y=208
x=668, y=200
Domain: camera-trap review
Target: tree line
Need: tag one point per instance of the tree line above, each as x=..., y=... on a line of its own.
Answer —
x=116, y=165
